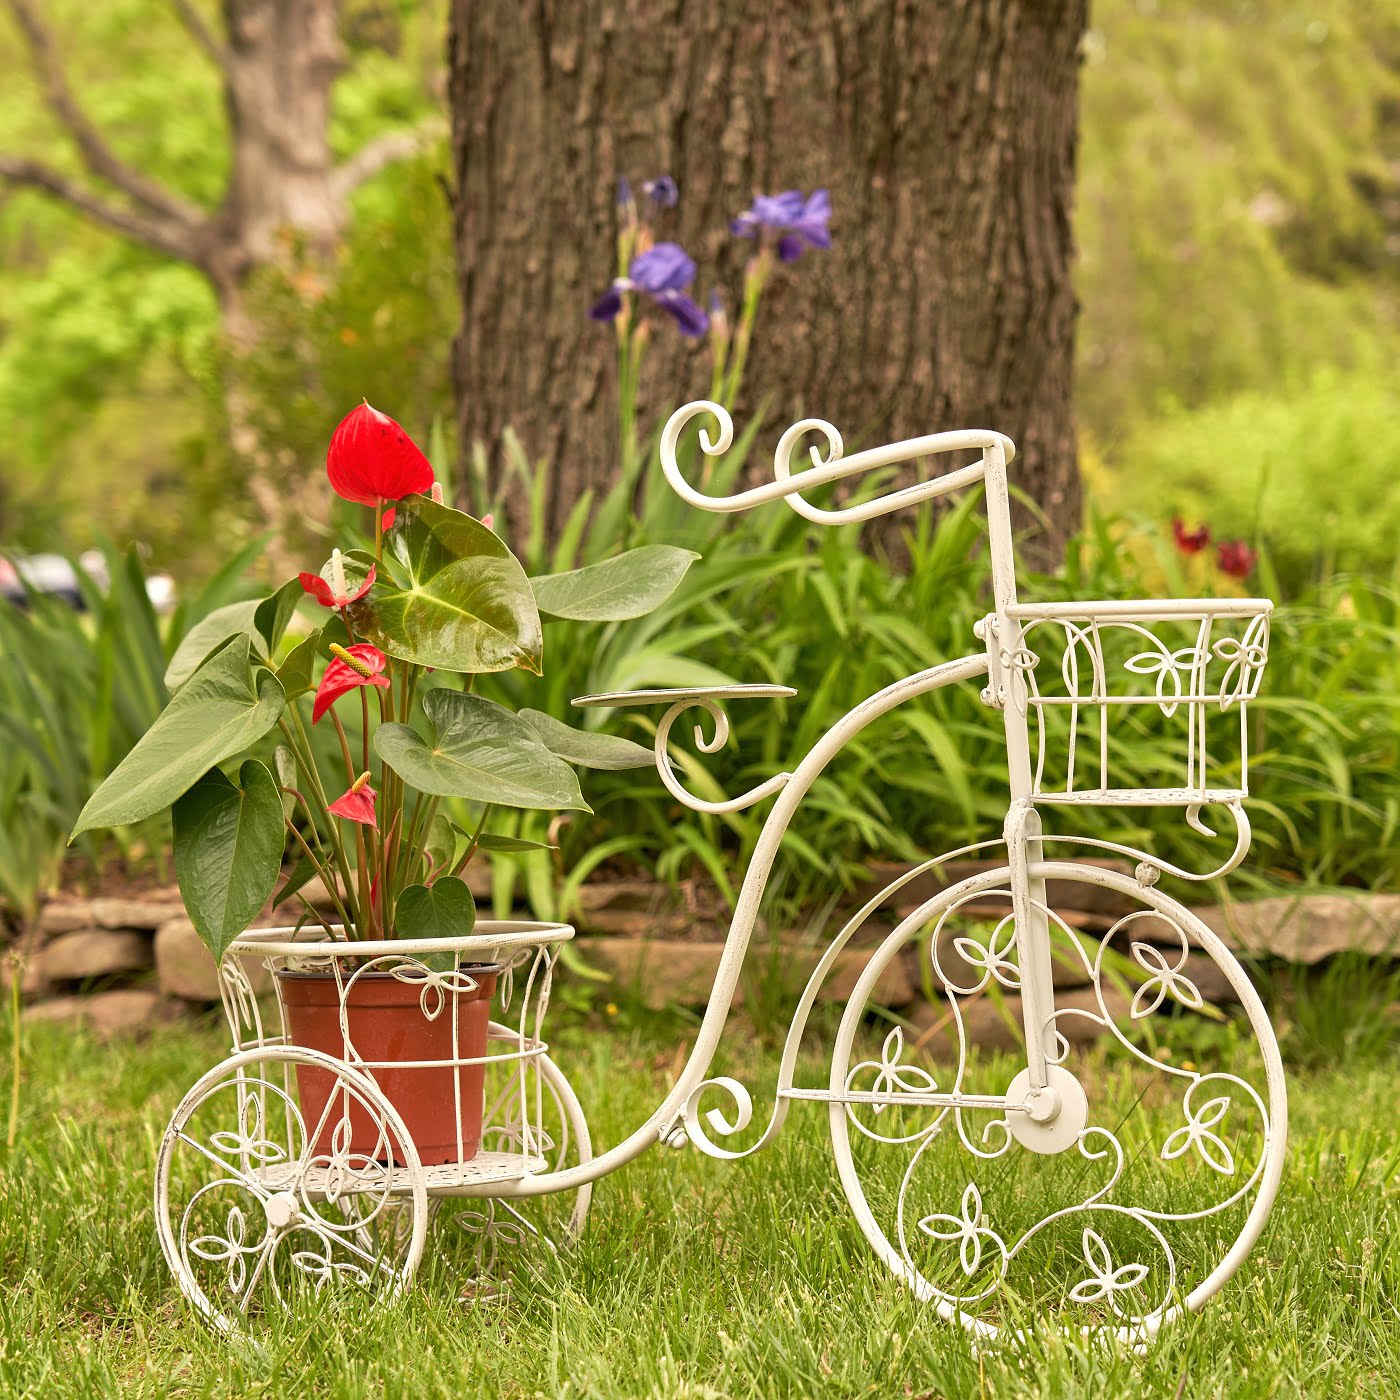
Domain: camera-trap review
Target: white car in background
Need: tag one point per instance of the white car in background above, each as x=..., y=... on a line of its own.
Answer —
x=54, y=574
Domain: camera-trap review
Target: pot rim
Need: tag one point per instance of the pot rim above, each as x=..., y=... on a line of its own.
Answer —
x=500, y=935
x=326, y=975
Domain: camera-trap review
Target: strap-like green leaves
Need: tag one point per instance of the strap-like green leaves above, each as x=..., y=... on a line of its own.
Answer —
x=629, y=585
x=228, y=851
x=450, y=595
x=217, y=713
x=481, y=752
x=585, y=748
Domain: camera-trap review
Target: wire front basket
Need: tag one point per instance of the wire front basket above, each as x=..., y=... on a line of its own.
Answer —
x=1128, y=696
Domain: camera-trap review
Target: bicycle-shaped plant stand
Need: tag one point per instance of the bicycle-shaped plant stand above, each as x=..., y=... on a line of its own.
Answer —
x=999, y=1188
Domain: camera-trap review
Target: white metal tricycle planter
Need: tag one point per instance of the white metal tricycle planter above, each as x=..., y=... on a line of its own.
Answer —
x=999, y=1188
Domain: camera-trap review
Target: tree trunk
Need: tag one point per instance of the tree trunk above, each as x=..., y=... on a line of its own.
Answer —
x=286, y=196
x=281, y=61
x=946, y=133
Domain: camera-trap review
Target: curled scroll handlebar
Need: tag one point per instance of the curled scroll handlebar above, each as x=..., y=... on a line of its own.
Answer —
x=833, y=467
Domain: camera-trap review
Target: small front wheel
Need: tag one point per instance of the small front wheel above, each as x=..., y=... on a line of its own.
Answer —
x=257, y=1210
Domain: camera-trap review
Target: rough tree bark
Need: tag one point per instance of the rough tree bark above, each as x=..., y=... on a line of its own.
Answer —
x=946, y=133
x=278, y=61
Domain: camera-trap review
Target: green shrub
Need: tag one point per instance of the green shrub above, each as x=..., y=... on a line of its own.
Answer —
x=1311, y=476
x=77, y=689
x=776, y=599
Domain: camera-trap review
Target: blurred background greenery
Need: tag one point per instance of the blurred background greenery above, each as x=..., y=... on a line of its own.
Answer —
x=1238, y=218
x=1238, y=223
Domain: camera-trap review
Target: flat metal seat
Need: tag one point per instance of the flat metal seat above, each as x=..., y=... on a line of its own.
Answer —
x=449, y=1179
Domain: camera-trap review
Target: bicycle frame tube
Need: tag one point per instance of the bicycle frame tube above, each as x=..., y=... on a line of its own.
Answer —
x=741, y=927
x=1023, y=821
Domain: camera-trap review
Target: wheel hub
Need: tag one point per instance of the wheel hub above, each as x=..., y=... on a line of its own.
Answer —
x=1049, y=1119
x=282, y=1210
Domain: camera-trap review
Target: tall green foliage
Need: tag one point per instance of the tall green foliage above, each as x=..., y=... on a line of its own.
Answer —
x=775, y=599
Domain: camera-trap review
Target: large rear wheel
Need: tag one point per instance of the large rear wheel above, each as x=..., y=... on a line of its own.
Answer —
x=1129, y=1194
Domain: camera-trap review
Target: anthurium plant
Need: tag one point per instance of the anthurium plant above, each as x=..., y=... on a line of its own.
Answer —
x=401, y=633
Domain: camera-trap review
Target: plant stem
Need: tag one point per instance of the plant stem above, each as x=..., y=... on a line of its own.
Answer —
x=476, y=838
x=350, y=773
x=321, y=870
x=754, y=281
x=362, y=873
x=300, y=746
x=402, y=855
x=389, y=791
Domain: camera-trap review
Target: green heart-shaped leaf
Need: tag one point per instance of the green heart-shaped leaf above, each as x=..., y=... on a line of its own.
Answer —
x=206, y=637
x=218, y=712
x=296, y=670
x=629, y=585
x=503, y=845
x=265, y=621
x=444, y=909
x=272, y=615
x=440, y=847
x=457, y=599
x=228, y=851
x=585, y=748
x=481, y=752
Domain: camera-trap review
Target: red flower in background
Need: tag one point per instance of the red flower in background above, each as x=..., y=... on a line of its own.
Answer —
x=371, y=459
x=349, y=669
x=1237, y=559
x=357, y=803
x=1189, y=541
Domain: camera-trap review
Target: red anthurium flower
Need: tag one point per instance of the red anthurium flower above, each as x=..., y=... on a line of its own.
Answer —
x=371, y=459
x=338, y=590
x=387, y=519
x=1236, y=558
x=350, y=668
x=356, y=804
x=1190, y=541
x=488, y=520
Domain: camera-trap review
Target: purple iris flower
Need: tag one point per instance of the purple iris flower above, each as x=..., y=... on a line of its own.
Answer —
x=662, y=191
x=663, y=273
x=802, y=221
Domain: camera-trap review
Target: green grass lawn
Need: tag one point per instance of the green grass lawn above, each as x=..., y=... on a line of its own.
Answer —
x=695, y=1277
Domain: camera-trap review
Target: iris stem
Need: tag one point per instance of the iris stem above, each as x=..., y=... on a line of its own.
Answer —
x=754, y=283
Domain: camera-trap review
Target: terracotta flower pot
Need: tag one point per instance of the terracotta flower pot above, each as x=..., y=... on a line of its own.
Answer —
x=388, y=1026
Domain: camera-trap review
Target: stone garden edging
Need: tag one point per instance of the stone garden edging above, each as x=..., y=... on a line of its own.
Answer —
x=118, y=964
